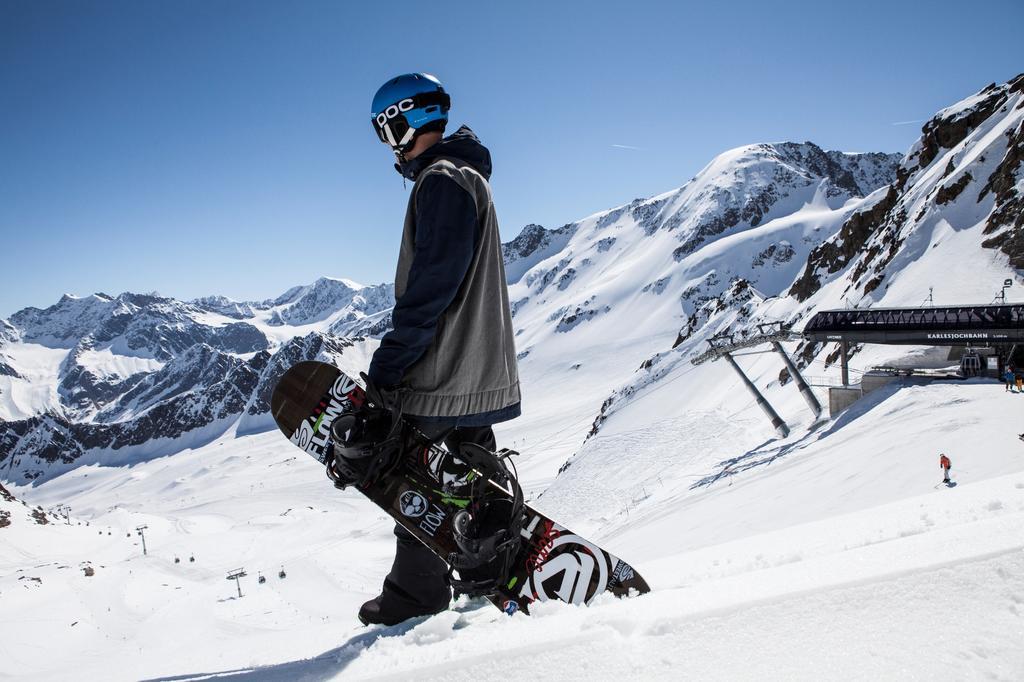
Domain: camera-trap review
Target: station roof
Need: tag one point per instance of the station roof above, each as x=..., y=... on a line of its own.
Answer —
x=931, y=326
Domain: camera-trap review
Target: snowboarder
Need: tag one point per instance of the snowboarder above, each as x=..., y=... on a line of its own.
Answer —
x=1009, y=378
x=945, y=464
x=449, y=361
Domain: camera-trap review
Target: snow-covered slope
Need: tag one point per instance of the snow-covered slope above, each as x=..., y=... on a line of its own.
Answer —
x=839, y=559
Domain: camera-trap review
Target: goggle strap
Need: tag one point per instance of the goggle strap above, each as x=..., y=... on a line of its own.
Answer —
x=407, y=137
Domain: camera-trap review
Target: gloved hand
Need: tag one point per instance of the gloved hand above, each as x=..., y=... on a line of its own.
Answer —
x=361, y=439
x=377, y=412
x=378, y=397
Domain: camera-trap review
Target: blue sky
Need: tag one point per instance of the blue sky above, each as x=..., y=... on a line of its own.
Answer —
x=222, y=147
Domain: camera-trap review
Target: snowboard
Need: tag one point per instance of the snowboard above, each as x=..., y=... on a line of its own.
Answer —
x=552, y=562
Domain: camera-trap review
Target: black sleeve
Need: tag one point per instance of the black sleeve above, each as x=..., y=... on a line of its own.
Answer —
x=446, y=234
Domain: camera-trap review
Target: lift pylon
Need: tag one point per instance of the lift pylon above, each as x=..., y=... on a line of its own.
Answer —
x=777, y=422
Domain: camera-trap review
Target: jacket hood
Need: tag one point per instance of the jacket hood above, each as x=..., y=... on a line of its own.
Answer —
x=462, y=144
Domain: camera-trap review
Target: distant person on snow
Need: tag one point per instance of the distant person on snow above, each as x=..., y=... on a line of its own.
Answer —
x=1019, y=379
x=945, y=464
x=1009, y=378
x=450, y=356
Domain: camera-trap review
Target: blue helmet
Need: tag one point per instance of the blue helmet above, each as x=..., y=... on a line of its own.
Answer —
x=407, y=105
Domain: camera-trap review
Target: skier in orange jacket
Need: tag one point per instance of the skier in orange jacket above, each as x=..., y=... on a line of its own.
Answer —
x=945, y=464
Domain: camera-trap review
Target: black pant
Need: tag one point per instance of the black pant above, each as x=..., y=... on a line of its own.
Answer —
x=418, y=578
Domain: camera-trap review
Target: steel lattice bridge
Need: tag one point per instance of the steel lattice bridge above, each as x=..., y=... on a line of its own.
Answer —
x=966, y=325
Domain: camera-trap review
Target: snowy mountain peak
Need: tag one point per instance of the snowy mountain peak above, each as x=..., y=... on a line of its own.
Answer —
x=8, y=332
x=750, y=185
x=533, y=244
x=222, y=305
x=751, y=215
x=856, y=174
x=351, y=284
x=66, y=321
x=963, y=175
x=96, y=297
x=337, y=301
x=950, y=126
x=297, y=292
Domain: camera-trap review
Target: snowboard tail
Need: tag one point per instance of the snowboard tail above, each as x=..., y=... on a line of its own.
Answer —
x=429, y=485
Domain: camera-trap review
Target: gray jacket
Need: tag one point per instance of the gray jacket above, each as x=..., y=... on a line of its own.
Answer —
x=452, y=348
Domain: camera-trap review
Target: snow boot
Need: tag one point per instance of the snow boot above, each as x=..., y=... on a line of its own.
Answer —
x=394, y=605
x=416, y=586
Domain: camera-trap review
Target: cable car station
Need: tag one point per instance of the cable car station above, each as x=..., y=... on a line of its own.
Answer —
x=987, y=336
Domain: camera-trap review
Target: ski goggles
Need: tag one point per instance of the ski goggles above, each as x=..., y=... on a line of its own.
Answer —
x=392, y=126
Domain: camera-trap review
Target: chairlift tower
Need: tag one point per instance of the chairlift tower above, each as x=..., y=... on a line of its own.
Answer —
x=1007, y=283
x=777, y=422
x=725, y=345
x=235, y=575
x=142, y=535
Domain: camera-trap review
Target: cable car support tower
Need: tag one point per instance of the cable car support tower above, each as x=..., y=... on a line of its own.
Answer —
x=725, y=345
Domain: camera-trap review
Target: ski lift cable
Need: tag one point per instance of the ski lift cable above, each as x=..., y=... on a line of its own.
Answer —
x=653, y=390
x=548, y=438
x=553, y=435
x=561, y=431
x=572, y=426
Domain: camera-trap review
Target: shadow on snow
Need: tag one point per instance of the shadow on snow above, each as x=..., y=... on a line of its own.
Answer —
x=327, y=665
x=323, y=667
x=766, y=453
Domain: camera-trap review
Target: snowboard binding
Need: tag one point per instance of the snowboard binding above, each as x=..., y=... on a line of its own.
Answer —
x=488, y=531
x=350, y=459
x=367, y=443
